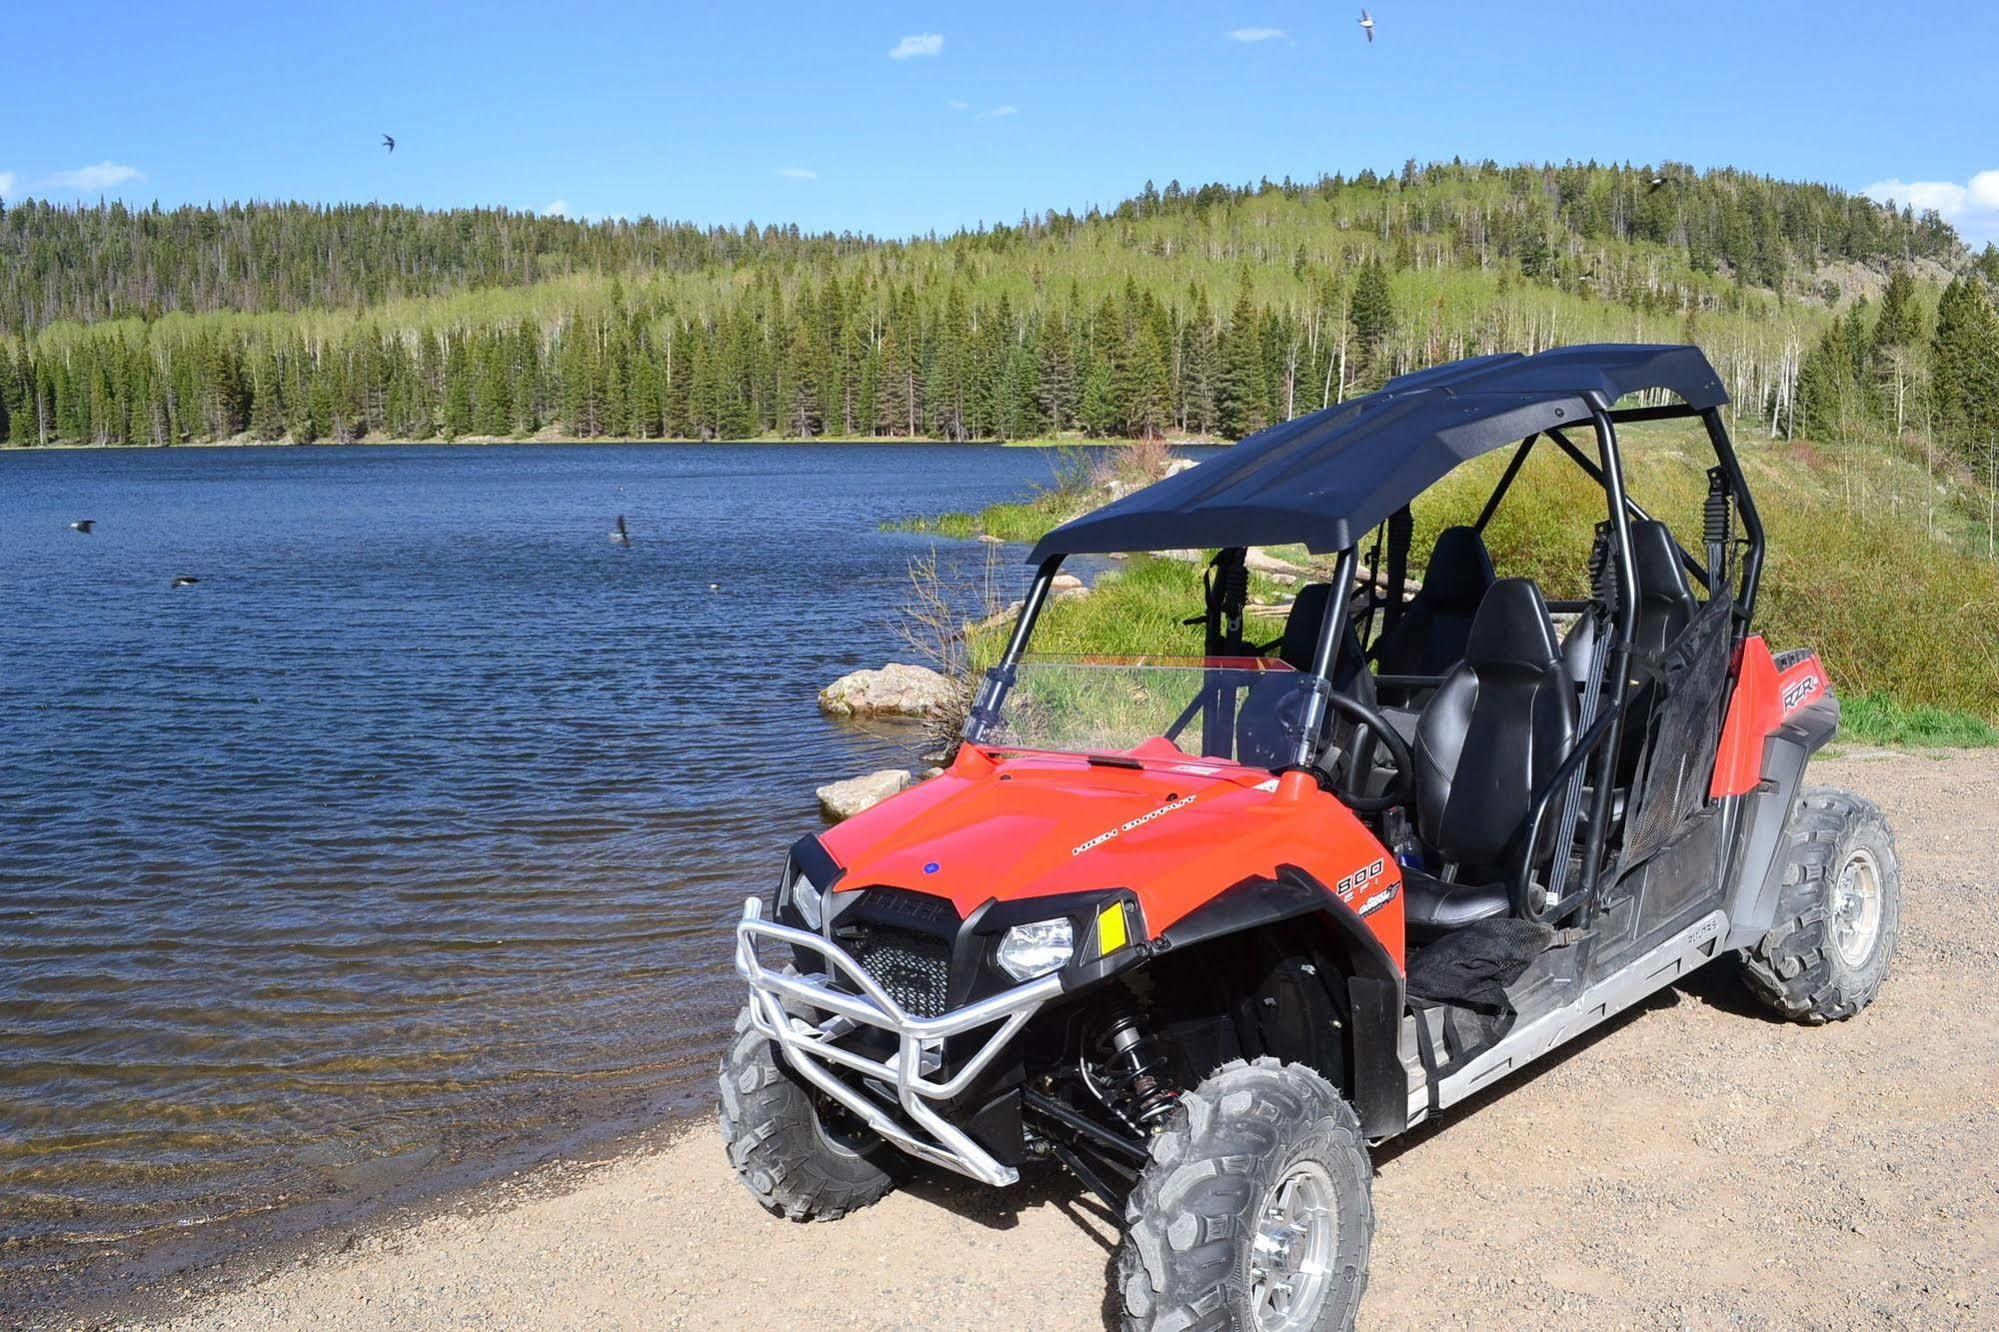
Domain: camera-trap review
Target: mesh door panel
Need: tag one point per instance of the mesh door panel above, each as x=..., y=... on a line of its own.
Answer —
x=1685, y=727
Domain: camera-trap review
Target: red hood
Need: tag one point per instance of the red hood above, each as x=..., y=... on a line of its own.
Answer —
x=1176, y=830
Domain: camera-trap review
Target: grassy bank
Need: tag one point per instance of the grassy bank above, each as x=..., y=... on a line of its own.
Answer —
x=1870, y=561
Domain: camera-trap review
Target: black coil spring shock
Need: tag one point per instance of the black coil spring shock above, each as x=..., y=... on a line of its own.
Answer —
x=1141, y=1089
x=1718, y=527
x=1602, y=572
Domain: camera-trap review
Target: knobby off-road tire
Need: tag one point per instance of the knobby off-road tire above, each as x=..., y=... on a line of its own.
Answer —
x=1191, y=1253
x=781, y=1150
x=1838, y=913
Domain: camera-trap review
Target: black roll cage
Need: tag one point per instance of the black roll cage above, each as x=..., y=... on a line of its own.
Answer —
x=1602, y=739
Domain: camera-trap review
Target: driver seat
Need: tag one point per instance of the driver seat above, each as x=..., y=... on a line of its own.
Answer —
x=1498, y=726
x=1263, y=737
x=1430, y=637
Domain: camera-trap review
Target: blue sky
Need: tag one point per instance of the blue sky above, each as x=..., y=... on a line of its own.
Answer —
x=903, y=118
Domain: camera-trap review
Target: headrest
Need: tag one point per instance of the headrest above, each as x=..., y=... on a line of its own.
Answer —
x=1301, y=637
x=1301, y=630
x=1656, y=557
x=1460, y=569
x=1512, y=628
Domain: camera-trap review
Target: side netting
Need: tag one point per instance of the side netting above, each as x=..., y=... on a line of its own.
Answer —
x=1678, y=762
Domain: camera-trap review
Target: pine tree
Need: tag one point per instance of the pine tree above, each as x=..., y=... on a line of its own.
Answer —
x=1372, y=314
x=648, y=401
x=492, y=399
x=1197, y=374
x=1148, y=406
x=1101, y=410
x=1964, y=368
x=1242, y=389
x=1059, y=388
x=457, y=419
x=799, y=384
x=1897, y=331
x=267, y=420
x=892, y=376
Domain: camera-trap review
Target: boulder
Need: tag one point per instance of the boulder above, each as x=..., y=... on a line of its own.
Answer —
x=1179, y=465
x=991, y=540
x=896, y=690
x=1065, y=583
x=843, y=800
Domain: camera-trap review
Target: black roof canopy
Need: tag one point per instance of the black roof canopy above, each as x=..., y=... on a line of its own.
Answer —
x=1328, y=478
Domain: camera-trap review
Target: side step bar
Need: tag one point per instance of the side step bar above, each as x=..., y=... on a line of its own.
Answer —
x=1691, y=948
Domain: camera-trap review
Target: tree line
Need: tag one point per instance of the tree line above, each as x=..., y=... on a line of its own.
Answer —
x=838, y=359
x=1211, y=312
x=109, y=261
x=1909, y=370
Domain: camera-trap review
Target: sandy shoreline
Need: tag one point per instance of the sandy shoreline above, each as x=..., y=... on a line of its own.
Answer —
x=1693, y=1164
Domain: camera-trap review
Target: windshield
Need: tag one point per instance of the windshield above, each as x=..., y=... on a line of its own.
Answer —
x=1241, y=709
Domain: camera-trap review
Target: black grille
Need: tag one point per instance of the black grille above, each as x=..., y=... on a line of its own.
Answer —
x=914, y=968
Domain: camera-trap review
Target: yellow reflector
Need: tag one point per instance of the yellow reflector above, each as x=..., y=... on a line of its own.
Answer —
x=1111, y=934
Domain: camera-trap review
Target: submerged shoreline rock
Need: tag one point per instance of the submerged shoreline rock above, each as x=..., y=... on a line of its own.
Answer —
x=896, y=690
x=843, y=800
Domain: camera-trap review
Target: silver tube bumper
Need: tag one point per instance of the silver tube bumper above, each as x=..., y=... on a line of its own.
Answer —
x=809, y=1048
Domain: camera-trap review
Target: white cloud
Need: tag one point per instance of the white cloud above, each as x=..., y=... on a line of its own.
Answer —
x=1259, y=35
x=1973, y=208
x=999, y=111
x=798, y=173
x=957, y=105
x=102, y=176
x=555, y=208
x=917, y=44
x=6, y=183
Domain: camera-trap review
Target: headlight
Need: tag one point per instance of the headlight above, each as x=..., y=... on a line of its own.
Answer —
x=808, y=900
x=1037, y=948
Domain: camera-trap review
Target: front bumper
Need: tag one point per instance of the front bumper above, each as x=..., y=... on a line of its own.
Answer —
x=809, y=1049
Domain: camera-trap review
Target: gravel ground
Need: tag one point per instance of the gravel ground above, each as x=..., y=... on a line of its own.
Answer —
x=1691, y=1165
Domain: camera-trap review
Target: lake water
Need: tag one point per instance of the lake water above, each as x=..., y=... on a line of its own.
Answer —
x=414, y=828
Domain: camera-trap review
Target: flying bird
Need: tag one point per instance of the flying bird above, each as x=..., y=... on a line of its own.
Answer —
x=389, y=142
x=186, y=580
x=83, y=525
x=619, y=534
x=1367, y=26
x=1657, y=183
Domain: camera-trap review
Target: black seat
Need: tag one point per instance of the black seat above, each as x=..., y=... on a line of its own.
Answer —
x=1430, y=637
x=1666, y=606
x=1301, y=639
x=1498, y=726
x=1263, y=723
x=1666, y=602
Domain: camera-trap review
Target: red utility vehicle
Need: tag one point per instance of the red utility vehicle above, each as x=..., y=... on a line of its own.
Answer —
x=1201, y=930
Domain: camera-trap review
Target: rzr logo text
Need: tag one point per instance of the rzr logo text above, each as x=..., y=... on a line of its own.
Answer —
x=1800, y=690
x=1138, y=822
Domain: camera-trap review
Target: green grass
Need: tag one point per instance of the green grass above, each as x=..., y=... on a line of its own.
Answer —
x=1907, y=622
x=1877, y=719
x=1021, y=520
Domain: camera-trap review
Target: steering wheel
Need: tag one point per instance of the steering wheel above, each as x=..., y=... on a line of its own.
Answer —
x=1401, y=787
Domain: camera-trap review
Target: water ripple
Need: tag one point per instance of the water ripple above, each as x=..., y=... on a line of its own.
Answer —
x=419, y=820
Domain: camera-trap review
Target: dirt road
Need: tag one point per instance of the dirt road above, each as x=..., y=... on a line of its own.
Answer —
x=1693, y=1165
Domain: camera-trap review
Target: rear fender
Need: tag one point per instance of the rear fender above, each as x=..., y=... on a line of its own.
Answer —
x=1787, y=715
x=1373, y=980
